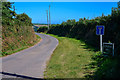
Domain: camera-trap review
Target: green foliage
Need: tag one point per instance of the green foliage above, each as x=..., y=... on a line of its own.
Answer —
x=107, y=70
x=0, y=11
x=7, y=14
x=107, y=67
x=42, y=29
x=17, y=32
x=85, y=30
x=24, y=18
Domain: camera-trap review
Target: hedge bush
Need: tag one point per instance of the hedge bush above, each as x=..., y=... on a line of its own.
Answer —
x=42, y=29
x=17, y=30
x=85, y=29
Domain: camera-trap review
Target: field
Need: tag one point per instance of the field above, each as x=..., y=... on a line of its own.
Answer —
x=70, y=60
x=75, y=59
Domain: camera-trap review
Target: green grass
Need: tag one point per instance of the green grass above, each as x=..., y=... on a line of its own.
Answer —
x=70, y=59
x=74, y=59
x=108, y=67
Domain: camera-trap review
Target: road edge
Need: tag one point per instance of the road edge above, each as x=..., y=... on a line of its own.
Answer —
x=50, y=55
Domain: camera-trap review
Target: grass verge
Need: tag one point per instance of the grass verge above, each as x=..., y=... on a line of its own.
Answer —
x=74, y=59
x=69, y=60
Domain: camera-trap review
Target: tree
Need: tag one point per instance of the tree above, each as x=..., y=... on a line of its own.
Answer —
x=7, y=13
x=0, y=11
x=24, y=18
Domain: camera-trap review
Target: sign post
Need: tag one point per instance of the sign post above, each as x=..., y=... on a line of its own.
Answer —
x=101, y=43
x=100, y=31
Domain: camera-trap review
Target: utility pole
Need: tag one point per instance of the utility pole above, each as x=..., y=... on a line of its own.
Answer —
x=47, y=18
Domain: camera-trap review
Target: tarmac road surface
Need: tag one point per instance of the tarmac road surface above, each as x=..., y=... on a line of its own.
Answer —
x=29, y=63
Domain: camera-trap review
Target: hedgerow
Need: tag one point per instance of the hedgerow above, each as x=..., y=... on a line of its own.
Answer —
x=17, y=30
x=85, y=29
x=42, y=29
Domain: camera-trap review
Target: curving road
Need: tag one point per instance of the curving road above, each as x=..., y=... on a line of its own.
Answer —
x=29, y=63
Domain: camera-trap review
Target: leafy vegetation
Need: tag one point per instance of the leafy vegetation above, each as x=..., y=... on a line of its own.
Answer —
x=75, y=59
x=106, y=67
x=42, y=29
x=85, y=29
x=65, y=64
x=17, y=32
x=0, y=27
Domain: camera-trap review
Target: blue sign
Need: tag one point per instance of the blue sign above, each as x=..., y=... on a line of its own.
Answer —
x=100, y=30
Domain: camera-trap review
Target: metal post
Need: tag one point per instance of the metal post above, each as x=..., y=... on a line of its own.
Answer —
x=113, y=49
x=101, y=43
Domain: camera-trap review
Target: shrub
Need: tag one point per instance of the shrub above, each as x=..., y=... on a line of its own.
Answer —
x=17, y=30
x=42, y=29
x=86, y=30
